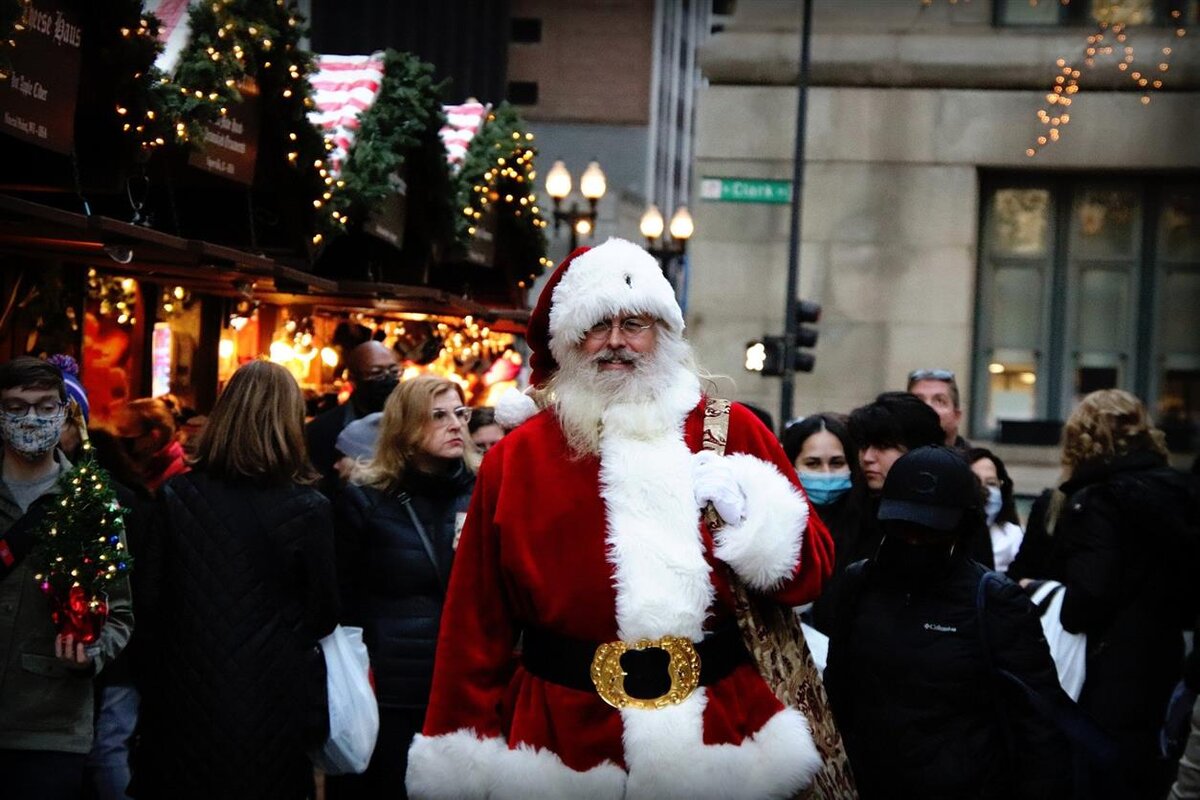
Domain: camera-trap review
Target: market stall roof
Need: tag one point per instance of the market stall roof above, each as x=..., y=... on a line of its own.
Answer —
x=30, y=228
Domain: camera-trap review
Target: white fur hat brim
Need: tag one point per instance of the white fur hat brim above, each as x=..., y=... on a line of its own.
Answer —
x=617, y=277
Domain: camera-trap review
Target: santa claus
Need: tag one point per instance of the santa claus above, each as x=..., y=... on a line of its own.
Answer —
x=588, y=646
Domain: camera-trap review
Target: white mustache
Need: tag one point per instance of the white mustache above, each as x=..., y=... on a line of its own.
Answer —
x=611, y=356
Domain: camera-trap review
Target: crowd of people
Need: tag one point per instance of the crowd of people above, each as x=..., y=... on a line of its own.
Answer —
x=548, y=591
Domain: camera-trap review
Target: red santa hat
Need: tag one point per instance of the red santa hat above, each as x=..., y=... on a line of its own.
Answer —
x=590, y=285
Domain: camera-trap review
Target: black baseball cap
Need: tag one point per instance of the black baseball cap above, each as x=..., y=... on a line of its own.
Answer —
x=930, y=486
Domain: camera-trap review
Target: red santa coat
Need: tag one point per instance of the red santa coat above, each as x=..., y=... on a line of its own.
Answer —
x=603, y=549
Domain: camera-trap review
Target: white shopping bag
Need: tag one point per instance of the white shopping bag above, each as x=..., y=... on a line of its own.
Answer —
x=1069, y=650
x=353, y=711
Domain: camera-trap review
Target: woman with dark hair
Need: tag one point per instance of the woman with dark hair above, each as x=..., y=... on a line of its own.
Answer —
x=485, y=431
x=999, y=507
x=240, y=588
x=826, y=461
x=1125, y=551
x=398, y=523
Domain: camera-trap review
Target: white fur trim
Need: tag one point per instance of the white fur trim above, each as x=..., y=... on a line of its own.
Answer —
x=612, y=278
x=464, y=765
x=765, y=547
x=667, y=757
x=513, y=408
x=654, y=545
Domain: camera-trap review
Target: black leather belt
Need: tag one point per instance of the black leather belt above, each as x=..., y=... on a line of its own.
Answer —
x=568, y=662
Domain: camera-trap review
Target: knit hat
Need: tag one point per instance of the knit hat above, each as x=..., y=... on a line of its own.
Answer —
x=358, y=439
x=591, y=285
x=69, y=368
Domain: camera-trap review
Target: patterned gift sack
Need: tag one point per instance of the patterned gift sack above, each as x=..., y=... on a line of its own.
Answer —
x=775, y=640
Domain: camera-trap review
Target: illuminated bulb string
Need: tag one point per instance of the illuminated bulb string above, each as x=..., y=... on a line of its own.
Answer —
x=1108, y=40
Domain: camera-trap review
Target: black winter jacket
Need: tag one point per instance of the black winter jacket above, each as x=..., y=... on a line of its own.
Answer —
x=240, y=587
x=392, y=586
x=1126, y=551
x=920, y=708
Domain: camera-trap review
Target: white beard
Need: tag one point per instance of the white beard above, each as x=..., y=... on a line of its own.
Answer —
x=642, y=403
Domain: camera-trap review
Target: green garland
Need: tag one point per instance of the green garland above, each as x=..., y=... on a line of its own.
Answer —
x=232, y=40
x=81, y=540
x=406, y=115
x=498, y=171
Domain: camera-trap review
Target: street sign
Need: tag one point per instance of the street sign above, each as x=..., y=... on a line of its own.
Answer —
x=746, y=190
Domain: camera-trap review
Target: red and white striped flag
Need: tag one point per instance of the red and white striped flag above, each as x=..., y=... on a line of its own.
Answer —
x=462, y=123
x=174, y=33
x=343, y=88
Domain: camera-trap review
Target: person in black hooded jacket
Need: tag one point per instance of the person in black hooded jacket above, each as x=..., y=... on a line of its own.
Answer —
x=397, y=527
x=912, y=679
x=239, y=588
x=1125, y=548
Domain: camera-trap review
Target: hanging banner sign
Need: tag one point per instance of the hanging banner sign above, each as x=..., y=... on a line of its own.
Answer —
x=230, y=146
x=37, y=102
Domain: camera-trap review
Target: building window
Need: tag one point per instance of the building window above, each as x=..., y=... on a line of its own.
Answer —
x=1088, y=283
x=523, y=93
x=1024, y=13
x=525, y=30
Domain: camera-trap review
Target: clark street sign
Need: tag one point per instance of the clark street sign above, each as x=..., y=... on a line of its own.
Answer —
x=746, y=190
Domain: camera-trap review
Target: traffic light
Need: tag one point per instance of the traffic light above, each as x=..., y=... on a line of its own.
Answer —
x=806, y=337
x=767, y=356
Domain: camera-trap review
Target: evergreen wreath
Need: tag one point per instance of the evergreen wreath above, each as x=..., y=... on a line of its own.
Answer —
x=398, y=127
x=498, y=172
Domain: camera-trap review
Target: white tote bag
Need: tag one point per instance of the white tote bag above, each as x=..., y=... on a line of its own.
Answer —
x=1069, y=650
x=353, y=711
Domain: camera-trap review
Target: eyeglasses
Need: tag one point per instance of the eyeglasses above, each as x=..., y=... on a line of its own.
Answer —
x=43, y=409
x=631, y=327
x=442, y=417
x=930, y=375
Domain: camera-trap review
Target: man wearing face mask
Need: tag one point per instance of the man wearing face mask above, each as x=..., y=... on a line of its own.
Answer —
x=910, y=677
x=375, y=372
x=46, y=700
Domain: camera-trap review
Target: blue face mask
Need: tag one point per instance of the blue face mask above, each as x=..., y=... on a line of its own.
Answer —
x=823, y=488
x=995, y=502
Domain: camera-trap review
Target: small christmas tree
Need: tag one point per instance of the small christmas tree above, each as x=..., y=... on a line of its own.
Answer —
x=81, y=549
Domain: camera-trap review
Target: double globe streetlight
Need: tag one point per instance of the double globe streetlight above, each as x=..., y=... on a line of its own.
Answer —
x=592, y=185
x=681, y=230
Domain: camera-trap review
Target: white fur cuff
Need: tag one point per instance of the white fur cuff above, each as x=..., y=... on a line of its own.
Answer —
x=462, y=765
x=765, y=548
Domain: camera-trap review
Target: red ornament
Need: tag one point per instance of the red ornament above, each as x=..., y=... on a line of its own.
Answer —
x=79, y=616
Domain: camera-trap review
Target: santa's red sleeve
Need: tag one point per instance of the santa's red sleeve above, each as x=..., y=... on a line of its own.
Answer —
x=780, y=547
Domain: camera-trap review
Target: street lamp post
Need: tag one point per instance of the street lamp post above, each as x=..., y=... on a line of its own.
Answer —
x=673, y=249
x=592, y=185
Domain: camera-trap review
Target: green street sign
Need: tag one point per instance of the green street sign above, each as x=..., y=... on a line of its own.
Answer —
x=745, y=190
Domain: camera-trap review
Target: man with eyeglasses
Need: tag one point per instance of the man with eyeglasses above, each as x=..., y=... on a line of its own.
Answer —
x=375, y=372
x=938, y=389
x=585, y=541
x=46, y=701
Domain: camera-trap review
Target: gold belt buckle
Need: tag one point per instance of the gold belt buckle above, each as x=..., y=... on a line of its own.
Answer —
x=683, y=666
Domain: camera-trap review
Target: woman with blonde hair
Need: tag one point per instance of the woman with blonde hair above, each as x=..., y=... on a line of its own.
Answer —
x=240, y=587
x=397, y=526
x=1125, y=551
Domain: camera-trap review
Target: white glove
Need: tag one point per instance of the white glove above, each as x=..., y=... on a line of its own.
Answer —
x=713, y=482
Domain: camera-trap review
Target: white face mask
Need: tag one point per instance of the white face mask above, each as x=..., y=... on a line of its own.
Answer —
x=995, y=501
x=29, y=435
